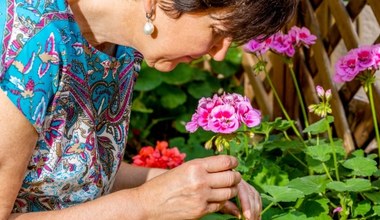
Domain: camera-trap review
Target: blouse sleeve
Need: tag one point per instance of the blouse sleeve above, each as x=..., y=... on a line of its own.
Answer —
x=31, y=78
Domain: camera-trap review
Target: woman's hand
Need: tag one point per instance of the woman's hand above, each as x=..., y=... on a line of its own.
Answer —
x=250, y=201
x=193, y=189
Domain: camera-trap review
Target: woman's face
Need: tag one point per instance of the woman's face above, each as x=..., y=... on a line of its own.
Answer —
x=182, y=40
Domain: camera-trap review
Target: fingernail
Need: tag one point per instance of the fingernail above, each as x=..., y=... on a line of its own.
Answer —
x=237, y=214
x=247, y=214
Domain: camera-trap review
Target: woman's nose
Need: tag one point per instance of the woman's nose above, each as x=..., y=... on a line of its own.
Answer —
x=219, y=50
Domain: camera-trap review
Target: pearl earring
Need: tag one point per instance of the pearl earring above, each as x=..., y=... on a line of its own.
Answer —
x=148, y=27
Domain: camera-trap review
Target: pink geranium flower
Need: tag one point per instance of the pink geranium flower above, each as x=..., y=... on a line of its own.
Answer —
x=283, y=44
x=224, y=114
x=356, y=61
x=346, y=68
x=223, y=119
x=258, y=47
x=302, y=36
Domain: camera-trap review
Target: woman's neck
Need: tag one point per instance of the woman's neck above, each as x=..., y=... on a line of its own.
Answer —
x=112, y=21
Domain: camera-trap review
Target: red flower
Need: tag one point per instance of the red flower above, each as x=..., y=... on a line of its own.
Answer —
x=159, y=157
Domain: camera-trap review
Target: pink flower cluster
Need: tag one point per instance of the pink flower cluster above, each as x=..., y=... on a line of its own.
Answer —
x=159, y=157
x=284, y=44
x=224, y=114
x=356, y=61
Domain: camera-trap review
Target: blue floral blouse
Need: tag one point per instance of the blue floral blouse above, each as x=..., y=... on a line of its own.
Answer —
x=76, y=97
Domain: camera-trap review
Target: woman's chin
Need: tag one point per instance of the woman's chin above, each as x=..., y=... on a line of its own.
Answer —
x=165, y=66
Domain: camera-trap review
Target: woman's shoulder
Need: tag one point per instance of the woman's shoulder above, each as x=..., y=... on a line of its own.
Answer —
x=29, y=20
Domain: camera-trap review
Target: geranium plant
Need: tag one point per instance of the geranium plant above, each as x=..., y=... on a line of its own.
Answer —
x=361, y=64
x=284, y=45
x=299, y=179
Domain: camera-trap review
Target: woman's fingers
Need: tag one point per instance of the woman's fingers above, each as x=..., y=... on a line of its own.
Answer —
x=219, y=163
x=231, y=208
x=222, y=194
x=224, y=179
x=250, y=201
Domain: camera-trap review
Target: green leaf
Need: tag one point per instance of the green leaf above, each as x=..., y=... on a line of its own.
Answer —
x=293, y=215
x=309, y=184
x=182, y=74
x=230, y=65
x=320, y=152
x=139, y=106
x=148, y=79
x=284, y=145
x=283, y=193
x=320, y=210
x=319, y=126
x=376, y=209
x=373, y=196
x=269, y=173
x=174, y=99
x=199, y=89
x=362, y=208
x=217, y=216
x=361, y=166
x=351, y=185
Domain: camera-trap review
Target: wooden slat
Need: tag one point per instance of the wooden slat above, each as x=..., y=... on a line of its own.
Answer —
x=375, y=5
x=323, y=62
x=343, y=21
x=261, y=95
x=353, y=8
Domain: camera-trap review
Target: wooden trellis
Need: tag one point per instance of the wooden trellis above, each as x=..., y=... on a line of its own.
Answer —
x=332, y=21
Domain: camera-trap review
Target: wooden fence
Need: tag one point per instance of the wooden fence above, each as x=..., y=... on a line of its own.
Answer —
x=333, y=22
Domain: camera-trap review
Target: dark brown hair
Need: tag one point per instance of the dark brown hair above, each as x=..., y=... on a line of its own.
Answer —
x=244, y=20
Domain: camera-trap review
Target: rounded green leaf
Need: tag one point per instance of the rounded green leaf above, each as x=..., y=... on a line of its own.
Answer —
x=230, y=65
x=361, y=166
x=362, y=208
x=309, y=184
x=203, y=88
x=283, y=193
x=148, y=79
x=174, y=99
x=182, y=74
x=319, y=152
x=351, y=185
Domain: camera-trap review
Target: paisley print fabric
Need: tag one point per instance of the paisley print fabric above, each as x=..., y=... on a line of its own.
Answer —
x=76, y=97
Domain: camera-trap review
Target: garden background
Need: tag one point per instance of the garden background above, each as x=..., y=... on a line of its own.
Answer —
x=164, y=102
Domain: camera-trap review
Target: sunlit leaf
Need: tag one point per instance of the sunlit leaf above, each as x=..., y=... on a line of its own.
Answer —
x=309, y=184
x=362, y=208
x=319, y=126
x=283, y=193
x=361, y=166
x=351, y=185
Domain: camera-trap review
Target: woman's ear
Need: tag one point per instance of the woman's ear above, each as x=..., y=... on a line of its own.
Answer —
x=149, y=6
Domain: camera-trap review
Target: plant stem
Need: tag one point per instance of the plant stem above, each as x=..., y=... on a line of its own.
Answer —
x=246, y=141
x=297, y=159
x=333, y=149
x=327, y=171
x=375, y=125
x=303, y=109
x=266, y=208
x=299, y=202
x=282, y=106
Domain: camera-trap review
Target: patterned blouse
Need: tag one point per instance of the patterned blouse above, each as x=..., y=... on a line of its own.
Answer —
x=76, y=97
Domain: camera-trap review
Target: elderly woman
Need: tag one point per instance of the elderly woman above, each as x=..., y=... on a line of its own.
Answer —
x=67, y=70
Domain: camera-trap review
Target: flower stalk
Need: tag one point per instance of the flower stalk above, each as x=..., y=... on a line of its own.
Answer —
x=374, y=118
